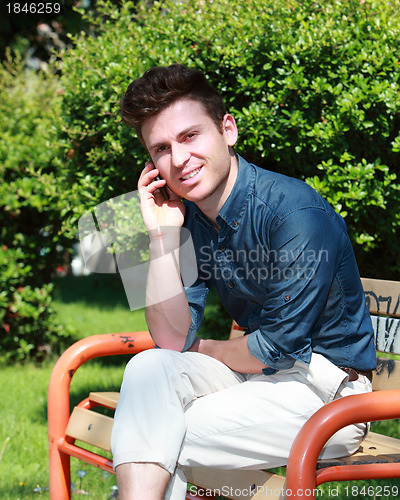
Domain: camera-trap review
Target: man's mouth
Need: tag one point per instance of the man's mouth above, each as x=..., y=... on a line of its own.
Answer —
x=190, y=174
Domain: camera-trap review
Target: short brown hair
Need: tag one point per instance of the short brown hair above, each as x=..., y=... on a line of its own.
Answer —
x=160, y=87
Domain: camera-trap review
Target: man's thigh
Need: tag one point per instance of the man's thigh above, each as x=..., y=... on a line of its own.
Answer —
x=253, y=425
x=149, y=422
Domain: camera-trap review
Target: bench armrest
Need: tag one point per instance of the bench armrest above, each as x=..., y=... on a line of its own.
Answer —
x=84, y=350
x=302, y=463
x=58, y=410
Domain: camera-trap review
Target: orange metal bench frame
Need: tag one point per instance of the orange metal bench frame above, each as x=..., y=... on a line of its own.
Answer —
x=61, y=448
x=302, y=474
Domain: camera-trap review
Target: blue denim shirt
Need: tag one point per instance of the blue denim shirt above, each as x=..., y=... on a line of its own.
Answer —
x=284, y=268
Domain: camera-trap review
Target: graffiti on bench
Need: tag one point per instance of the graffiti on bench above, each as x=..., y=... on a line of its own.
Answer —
x=380, y=304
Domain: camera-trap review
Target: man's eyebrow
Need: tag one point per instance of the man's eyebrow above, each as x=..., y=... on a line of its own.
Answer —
x=156, y=145
x=191, y=128
x=179, y=136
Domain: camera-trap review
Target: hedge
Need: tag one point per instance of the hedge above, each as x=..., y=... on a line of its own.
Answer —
x=30, y=207
x=313, y=85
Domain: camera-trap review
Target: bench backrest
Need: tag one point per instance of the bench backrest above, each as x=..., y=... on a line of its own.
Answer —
x=383, y=301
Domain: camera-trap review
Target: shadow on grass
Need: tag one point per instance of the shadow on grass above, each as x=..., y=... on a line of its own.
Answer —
x=103, y=290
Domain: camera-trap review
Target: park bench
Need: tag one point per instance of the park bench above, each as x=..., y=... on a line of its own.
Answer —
x=378, y=456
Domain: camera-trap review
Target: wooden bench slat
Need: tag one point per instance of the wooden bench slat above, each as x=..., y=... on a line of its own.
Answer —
x=387, y=338
x=90, y=427
x=382, y=296
x=379, y=444
x=107, y=399
x=386, y=375
x=376, y=448
x=238, y=484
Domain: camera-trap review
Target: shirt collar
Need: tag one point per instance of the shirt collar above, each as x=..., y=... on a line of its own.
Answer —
x=234, y=207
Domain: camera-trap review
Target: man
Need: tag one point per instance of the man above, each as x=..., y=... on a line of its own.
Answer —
x=282, y=263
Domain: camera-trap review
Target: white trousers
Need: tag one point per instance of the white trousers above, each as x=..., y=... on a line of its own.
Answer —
x=188, y=409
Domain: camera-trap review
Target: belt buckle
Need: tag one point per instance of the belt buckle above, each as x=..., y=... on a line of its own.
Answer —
x=353, y=375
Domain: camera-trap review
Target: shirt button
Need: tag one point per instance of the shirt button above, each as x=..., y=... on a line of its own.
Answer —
x=222, y=248
x=231, y=285
x=287, y=298
x=235, y=223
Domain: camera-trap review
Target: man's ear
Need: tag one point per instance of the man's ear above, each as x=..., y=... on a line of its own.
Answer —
x=230, y=129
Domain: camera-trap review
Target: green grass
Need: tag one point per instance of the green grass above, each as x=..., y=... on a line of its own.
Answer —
x=92, y=305
x=23, y=429
x=96, y=304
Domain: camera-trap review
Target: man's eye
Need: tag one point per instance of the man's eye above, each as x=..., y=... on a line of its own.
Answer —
x=161, y=149
x=190, y=136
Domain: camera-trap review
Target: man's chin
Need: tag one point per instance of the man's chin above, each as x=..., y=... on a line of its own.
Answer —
x=194, y=197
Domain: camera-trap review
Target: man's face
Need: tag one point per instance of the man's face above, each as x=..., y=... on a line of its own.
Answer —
x=192, y=155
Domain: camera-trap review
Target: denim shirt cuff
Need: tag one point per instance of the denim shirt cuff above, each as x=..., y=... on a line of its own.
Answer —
x=197, y=297
x=189, y=340
x=267, y=354
x=190, y=337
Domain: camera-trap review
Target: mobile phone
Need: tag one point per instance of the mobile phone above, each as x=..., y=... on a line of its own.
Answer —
x=163, y=190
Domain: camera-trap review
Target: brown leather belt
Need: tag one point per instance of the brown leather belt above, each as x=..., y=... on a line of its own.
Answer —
x=353, y=374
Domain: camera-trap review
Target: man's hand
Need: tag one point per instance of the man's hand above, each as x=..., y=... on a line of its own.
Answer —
x=156, y=211
x=234, y=353
x=199, y=345
x=164, y=290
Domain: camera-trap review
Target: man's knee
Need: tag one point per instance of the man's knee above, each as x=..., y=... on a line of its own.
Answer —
x=151, y=362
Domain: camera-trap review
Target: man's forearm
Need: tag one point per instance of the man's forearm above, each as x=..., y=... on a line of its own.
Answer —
x=167, y=309
x=233, y=353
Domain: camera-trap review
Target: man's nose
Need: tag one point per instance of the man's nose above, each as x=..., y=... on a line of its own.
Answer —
x=179, y=155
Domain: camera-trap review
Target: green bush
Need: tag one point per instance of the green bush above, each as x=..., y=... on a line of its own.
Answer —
x=314, y=86
x=30, y=207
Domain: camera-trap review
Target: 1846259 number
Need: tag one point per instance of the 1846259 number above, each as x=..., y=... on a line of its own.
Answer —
x=34, y=8
x=372, y=491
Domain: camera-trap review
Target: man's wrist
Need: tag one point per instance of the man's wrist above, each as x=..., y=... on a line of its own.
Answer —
x=162, y=242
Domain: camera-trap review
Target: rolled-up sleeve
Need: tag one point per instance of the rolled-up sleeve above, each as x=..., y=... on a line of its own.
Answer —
x=307, y=246
x=197, y=297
